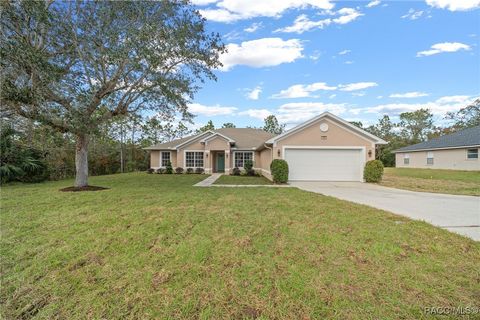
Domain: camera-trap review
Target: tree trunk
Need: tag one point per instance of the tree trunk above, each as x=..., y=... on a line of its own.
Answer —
x=81, y=161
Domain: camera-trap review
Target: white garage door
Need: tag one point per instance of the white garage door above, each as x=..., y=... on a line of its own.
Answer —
x=325, y=164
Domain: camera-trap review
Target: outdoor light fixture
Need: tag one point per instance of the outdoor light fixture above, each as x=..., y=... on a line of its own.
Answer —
x=278, y=152
x=226, y=155
x=369, y=153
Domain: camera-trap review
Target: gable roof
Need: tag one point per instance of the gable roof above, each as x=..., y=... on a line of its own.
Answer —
x=327, y=114
x=465, y=138
x=244, y=138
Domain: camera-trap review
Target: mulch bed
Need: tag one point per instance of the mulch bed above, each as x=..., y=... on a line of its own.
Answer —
x=87, y=188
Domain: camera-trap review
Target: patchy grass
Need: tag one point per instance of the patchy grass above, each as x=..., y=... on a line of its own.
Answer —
x=153, y=246
x=242, y=180
x=433, y=180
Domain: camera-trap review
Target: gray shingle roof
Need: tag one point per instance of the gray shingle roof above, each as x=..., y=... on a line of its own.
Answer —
x=245, y=138
x=463, y=138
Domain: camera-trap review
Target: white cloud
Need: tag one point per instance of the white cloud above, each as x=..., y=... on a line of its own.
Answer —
x=302, y=23
x=357, y=86
x=293, y=113
x=233, y=10
x=373, y=3
x=254, y=94
x=413, y=94
x=301, y=90
x=412, y=14
x=343, y=52
x=216, y=110
x=253, y=27
x=315, y=55
x=265, y=52
x=438, y=107
x=348, y=62
x=455, y=5
x=358, y=94
x=203, y=2
x=256, y=113
x=443, y=47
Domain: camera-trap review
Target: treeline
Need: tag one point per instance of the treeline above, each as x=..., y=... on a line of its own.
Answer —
x=31, y=152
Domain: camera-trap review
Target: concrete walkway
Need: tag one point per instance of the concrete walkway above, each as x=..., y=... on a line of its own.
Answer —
x=460, y=214
x=208, y=181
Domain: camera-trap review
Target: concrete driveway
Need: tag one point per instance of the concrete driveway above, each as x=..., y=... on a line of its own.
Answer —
x=460, y=214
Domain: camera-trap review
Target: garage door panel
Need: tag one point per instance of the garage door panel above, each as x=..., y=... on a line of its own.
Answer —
x=324, y=164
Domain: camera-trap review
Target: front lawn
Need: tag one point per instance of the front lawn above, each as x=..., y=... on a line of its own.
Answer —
x=433, y=180
x=155, y=247
x=242, y=180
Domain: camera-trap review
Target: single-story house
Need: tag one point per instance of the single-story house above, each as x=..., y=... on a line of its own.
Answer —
x=457, y=151
x=325, y=148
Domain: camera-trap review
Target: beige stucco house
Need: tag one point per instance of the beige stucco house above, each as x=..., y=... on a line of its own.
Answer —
x=457, y=151
x=325, y=148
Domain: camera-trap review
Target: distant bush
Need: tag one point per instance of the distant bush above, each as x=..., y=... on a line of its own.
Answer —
x=279, y=170
x=150, y=171
x=161, y=170
x=199, y=170
x=179, y=170
x=236, y=171
x=189, y=170
x=169, y=168
x=373, y=171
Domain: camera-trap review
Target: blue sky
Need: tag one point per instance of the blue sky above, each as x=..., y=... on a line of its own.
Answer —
x=358, y=60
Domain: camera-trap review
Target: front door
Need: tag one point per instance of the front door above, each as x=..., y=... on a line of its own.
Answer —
x=220, y=162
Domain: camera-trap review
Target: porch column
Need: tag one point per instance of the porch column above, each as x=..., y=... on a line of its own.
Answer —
x=208, y=161
x=228, y=160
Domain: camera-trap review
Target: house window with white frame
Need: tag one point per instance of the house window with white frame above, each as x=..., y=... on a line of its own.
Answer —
x=165, y=158
x=429, y=157
x=472, y=154
x=193, y=159
x=406, y=158
x=241, y=157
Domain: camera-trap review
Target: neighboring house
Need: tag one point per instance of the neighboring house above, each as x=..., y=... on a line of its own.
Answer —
x=457, y=151
x=325, y=148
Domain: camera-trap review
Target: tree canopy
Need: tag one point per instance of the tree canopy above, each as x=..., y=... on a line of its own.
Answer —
x=75, y=65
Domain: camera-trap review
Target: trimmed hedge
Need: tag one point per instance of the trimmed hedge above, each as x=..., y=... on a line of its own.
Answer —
x=279, y=170
x=189, y=170
x=199, y=170
x=150, y=170
x=373, y=171
x=179, y=170
x=236, y=171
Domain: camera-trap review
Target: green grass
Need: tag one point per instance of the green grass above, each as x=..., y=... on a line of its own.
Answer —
x=154, y=247
x=242, y=180
x=433, y=180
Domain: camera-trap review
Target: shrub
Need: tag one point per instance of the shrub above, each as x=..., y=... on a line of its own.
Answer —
x=161, y=170
x=236, y=171
x=179, y=170
x=248, y=166
x=168, y=168
x=199, y=170
x=189, y=170
x=150, y=171
x=373, y=171
x=279, y=170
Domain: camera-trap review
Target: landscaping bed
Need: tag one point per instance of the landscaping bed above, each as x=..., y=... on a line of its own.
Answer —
x=243, y=180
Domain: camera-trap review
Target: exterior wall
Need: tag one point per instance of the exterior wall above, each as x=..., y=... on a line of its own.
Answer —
x=336, y=136
x=455, y=159
x=217, y=143
x=155, y=158
x=263, y=163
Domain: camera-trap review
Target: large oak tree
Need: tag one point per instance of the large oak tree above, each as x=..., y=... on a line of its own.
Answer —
x=76, y=65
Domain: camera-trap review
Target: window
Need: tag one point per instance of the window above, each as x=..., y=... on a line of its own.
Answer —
x=406, y=158
x=472, y=153
x=165, y=158
x=194, y=159
x=241, y=157
x=429, y=157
